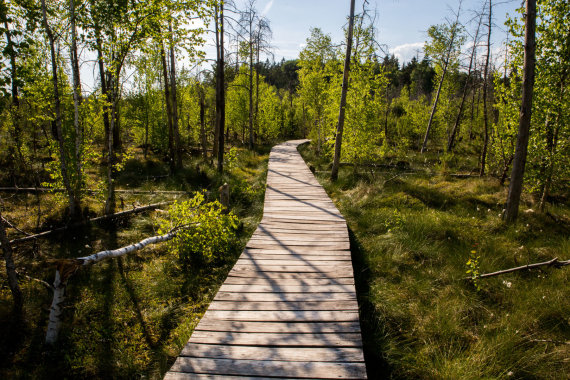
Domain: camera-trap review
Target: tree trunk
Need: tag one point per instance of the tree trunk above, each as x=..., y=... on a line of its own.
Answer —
x=220, y=91
x=517, y=173
x=345, y=76
x=173, y=94
x=203, y=138
x=250, y=88
x=77, y=100
x=455, y=129
x=74, y=206
x=485, y=95
x=11, y=268
x=168, y=101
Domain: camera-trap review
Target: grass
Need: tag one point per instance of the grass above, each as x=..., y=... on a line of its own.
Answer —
x=127, y=317
x=412, y=234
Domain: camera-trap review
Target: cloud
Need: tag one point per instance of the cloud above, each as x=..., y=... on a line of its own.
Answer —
x=406, y=52
x=267, y=8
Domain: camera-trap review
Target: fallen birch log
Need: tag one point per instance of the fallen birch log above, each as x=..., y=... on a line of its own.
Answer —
x=90, y=191
x=67, y=267
x=550, y=263
x=98, y=219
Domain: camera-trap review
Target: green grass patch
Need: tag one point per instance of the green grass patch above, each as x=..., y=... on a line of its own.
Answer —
x=411, y=237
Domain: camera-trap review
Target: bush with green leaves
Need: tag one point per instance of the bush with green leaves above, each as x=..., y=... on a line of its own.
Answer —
x=204, y=230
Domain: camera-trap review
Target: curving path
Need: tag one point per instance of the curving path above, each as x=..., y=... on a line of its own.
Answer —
x=288, y=307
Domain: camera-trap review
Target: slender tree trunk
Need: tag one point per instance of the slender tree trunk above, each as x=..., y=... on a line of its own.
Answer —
x=257, y=87
x=11, y=268
x=345, y=76
x=220, y=92
x=551, y=143
x=74, y=207
x=14, y=84
x=110, y=201
x=203, y=138
x=455, y=129
x=250, y=88
x=168, y=101
x=173, y=94
x=485, y=95
x=77, y=100
x=519, y=162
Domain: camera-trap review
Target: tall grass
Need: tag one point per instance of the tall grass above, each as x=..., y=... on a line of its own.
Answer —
x=411, y=236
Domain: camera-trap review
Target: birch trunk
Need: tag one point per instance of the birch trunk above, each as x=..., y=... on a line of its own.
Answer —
x=340, y=125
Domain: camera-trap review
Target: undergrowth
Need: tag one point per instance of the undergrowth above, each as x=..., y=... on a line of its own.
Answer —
x=127, y=317
x=414, y=236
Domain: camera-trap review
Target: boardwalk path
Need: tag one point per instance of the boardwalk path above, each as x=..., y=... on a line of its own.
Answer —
x=288, y=307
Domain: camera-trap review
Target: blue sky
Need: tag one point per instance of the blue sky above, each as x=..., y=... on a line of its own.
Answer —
x=402, y=24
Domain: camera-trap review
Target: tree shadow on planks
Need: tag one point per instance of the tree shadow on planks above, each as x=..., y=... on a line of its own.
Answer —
x=373, y=339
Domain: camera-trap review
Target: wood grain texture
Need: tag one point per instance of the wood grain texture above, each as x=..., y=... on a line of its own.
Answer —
x=288, y=307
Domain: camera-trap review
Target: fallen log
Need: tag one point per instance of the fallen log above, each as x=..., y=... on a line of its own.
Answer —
x=99, y=219
x=66, y=268
x=550, y=263
x=90, y=191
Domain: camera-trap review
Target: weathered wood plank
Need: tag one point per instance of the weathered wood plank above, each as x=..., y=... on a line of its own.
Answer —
x=283, y=315
x=284, y=305
x=308, y=370
x=302, y=354
x=278, y=340
x=284, y=296
x=279, y=327
x=288, y=281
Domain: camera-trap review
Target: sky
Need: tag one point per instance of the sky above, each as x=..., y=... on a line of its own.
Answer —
x=402, y=24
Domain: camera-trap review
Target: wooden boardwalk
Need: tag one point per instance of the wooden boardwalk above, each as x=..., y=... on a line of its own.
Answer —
x=288, y=307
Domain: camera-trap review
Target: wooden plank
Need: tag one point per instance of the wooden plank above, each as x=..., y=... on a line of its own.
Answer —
x=278, y=340
x=292, y=297
x=279, y=327
x=309, y=370
x=292, y=257
x=283, y=315
x=284, y=305
x=295, y=251
x=308, y=246
x=302, y=354
x=278, y=288
x=293, y=274
x=289, y=281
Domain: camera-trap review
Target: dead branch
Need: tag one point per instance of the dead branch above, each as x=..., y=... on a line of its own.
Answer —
x=99, y=219
x=44, y=283
x=11, y=225
x=551, y=263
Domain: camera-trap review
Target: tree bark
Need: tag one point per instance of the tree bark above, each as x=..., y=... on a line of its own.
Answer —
x=11, y=268
x=250, y=88
x=73, y=204
x=519, y=162
x=77, y=100
x=168, y=101
x=455, y=129
x=445, y=65
x=173, y=94
x=220, y=91
x=485, y=95
x=345, y=76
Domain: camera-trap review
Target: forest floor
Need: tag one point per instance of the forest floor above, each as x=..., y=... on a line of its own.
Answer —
x=127, y=317
x=413, y=232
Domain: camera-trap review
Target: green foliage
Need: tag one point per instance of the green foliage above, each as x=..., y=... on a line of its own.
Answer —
x=204, y=230
x=473, y=269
